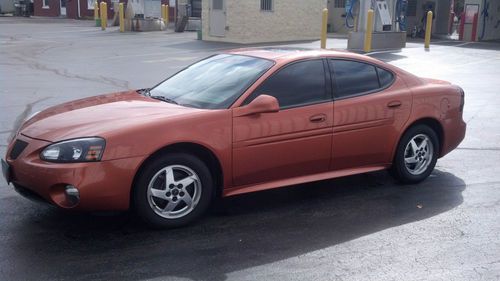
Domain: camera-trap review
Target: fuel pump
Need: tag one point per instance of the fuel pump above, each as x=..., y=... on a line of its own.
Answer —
x=401, y=6
x=383, y=20
x=389, y=26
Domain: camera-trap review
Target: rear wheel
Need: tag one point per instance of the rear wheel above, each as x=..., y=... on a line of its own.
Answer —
x=416, y=155
x=173, y=190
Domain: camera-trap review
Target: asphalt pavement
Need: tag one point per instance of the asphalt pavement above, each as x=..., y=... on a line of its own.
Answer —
x=364, y=227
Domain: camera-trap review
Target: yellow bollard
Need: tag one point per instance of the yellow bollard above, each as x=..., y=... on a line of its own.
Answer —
x=96, y=14
x=162, y=11
x=428, y=28
x=166, y=16
x=104, y=15
x=121, y=17
x=368, y=32
x=323, y=28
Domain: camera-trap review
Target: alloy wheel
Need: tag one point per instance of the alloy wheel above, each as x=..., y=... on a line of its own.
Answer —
x=418, y=154
x=174, y=191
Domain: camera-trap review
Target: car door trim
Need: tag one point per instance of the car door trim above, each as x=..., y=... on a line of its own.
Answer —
x=301, y=179
x=362, y=125
x=284, y=137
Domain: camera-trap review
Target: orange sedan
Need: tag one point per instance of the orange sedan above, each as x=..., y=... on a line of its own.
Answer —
x=236, y=122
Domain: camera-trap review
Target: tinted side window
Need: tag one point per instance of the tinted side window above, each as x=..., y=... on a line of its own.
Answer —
x=297, y=84
x=385, y=77
x=353, y=77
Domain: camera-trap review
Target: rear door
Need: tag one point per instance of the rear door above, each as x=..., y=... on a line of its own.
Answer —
x=62, y=5
x=371, y=106
x=293, y=142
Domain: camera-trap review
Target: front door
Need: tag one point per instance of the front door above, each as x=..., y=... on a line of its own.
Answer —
x=297, y=140
x=63, y=7
x=217, y=18
x=371, y=107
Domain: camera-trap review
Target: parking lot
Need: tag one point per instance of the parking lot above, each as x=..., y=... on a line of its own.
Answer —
x=363, y=227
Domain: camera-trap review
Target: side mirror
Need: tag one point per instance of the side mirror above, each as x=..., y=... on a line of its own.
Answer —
x=261, y=104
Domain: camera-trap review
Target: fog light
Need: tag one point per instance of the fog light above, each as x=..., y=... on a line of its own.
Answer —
x=72, y=194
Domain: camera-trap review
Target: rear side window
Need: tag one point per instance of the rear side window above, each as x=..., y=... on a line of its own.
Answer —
x=353, y=78
x=297, y=84
x=385, y=77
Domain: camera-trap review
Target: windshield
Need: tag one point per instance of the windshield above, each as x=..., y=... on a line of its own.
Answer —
x=213, y=83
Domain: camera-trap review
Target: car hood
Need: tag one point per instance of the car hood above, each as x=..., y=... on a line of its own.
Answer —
x=100, y=116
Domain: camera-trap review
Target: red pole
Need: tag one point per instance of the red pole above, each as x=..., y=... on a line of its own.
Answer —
x=474, y=29
x=451, y=21
x=461, y=27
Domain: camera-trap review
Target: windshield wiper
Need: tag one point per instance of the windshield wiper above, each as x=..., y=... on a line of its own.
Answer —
x=165, y=99
x=144, y=91
x=147, y=92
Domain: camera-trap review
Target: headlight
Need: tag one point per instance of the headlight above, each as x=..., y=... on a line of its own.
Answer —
x=75, y=150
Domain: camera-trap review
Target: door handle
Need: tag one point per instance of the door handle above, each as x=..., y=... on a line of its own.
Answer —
x=318, y=118
x=394, y=104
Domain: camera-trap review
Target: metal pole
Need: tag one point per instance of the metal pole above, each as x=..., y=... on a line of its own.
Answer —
x=166, y=16
x=428, y=28
x=104, y=15
x=368, y=32
x=323, y=28
x=96, y=14
x=175, y=13
x=474, y=28
x=121, y=17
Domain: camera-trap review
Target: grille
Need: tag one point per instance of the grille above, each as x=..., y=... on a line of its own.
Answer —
x=18, y=148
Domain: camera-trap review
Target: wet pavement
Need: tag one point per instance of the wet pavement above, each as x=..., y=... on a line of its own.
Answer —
x=363, y=227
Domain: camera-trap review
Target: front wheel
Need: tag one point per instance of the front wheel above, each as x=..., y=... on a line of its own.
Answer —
x=416, y=155
x=173, y=190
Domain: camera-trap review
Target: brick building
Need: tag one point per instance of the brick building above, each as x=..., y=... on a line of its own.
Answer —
x=76, y=9
x=73, y=9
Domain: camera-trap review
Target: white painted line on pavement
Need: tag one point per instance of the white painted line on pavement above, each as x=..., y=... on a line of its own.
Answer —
x=463, y=44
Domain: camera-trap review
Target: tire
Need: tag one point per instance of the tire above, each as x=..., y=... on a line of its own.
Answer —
x=173, y=190
x=416, y=155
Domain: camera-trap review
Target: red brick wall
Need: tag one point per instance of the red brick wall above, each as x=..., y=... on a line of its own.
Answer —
x=72, y=9
x=85, y=12
x=52, y=11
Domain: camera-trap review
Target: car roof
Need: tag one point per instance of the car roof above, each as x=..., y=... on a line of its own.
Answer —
x=292, y=53
x=284, y=55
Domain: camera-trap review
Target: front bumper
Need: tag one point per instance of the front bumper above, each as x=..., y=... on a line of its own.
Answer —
x=102, y=186
x=6, y=171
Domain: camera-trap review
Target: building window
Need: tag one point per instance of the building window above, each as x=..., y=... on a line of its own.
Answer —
x=266, y=5
x=90, y=4
x=45, y=3
x=339, y=4
x=217, y=4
